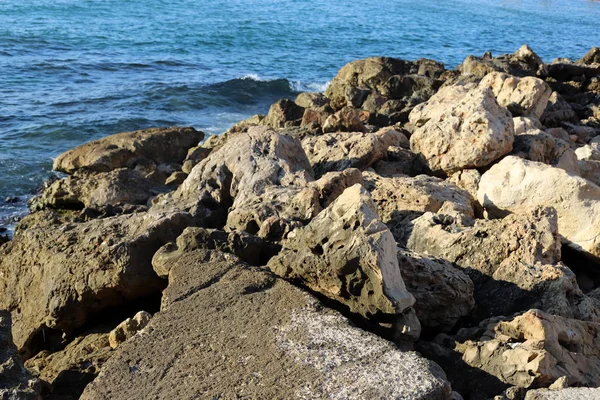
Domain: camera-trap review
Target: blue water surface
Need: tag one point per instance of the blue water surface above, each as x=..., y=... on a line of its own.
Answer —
x=76, y=70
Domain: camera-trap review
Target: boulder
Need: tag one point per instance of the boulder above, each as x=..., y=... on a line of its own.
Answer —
x=283, y=113
x=342, y=150
x=128, y=149
x=535, y=349
x=128, y=328
x=443, y=293
x=517, y=185
x=519, y=268
x=472, y=133
x=524, y=62
x=348, y=255
x=347, y=119
x=537, y=145
x=228, y=330
x=312, y=100
x=56, y=272
x=524, y=124
x=526, y=96
x=194, y=156
x=16, y=383
x=466, y=179
x=445, y=98
x=66, y=373
x=94, y=190
x=558, y=111
x=564, y=394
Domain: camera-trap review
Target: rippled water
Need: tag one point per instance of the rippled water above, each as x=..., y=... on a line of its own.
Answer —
x=76, y=70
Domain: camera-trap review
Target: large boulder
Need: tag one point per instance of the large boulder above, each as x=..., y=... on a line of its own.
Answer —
x=443, y=293
x=56, y=272
x=523, y=96
x=535, y=349
x=348, y=255
x=517, y=185
x=228, y=330
x=474, y=132
x=16, y=383
x=513, y=262
x=129, y=149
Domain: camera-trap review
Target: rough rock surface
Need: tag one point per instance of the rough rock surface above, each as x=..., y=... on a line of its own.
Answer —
x=537, y=145
x=443, y=293
x=535, y=349
x=348, y=255
x=55, y=272
x=128, y=328
x=564, y=394
x=129, y=149
x=517, y=185
x=249, y=334
x=472, y=133
x=519, y=268
x=16, y=383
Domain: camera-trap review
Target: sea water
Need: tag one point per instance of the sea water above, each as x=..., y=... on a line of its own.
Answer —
x=76, y=70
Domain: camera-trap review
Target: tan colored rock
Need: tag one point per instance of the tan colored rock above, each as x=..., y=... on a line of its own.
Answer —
x=588, y=152
x=348, y=255
x=591, y=57
x=283, y=113
x=524, y=62
x=518, y=267
x=126, y=150
x=517, y=185
x=16, y=383
x=466, y=179
x=347, y=119
x=128, y=328
x=473, y=133
x=564, y=394
x=311, y=100
x=535, y=349
x=342, y=150
x=443, y=293
x=524, y=124
x=528, y=96
x=175, y=179
x=88, y=189
x=445, y=98
x=537, y=145
x=194, y=156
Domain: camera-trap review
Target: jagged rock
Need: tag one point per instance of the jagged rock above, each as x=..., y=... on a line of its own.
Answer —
x=524, y=62
x=348, y=255
x=56, y=272
x=16, y=383
x=423, y=193
x=472, y=133
x=68, y=371
x=194, y=156
x=526, y=96
x=283, y=113
x=342, y=150
x=535, y=349
x=312, y=100
x=466, y=179
x=537, y=145
x=128, y=328
x=128, y=149
x=175, y=179
x=558, y=111
x=93, y=190
x=400, y=162
x=251, y=249
x=524, y=124
x=445, y=98
x=347, y=119
x=513, y=262
x=564, y=394
x=443, y=293
x=247, y=333
x=517, y=185
x=214, y=142
x=565, y=72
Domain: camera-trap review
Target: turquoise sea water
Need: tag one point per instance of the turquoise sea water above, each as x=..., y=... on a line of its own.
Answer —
x=76, y=70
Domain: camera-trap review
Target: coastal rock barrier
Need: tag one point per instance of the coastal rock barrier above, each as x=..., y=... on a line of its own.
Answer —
x=413, y=232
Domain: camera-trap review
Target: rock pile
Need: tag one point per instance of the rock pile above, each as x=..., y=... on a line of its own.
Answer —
x=411, y=233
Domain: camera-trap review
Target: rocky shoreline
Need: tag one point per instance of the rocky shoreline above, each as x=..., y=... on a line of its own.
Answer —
x=412, y=233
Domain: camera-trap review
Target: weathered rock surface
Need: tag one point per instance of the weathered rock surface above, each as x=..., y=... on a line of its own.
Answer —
x=342, y=150
x=284, y=113
x=85, y=189
x=564, y=394
x=16, y=383
x=535, y=349
x=524, y=62
x=467, y=179
x=519, y=268
x=55, y=271
x=472, y=133
x=68, y=371
x=526, y=96
x=443, y=293
x=537, y=145
x=128, y=328
x=347, y=119
x=517, y=185
x=247, y=333
x=591, y=57
x=348, y=255
x=558, y=111
x=130, y=149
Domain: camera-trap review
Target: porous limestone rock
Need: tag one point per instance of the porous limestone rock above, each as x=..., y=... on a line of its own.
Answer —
x=348, y=255
x=283, y=113
x=443, y=293
x=347, y=119
x=537, y=145
x=467, y=179
x=557, y=112
x=445, y=98
x=518, y=185
x=247, y=333
x=128, y=328
x=472, y=133
x=128, y=149
x=564, y=394
x=524, y=124
x=16, y=383
x=513, y=262
x=591, y=57
x=311, y=100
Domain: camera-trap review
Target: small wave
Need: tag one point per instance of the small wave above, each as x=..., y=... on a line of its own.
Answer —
x=298, y=86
